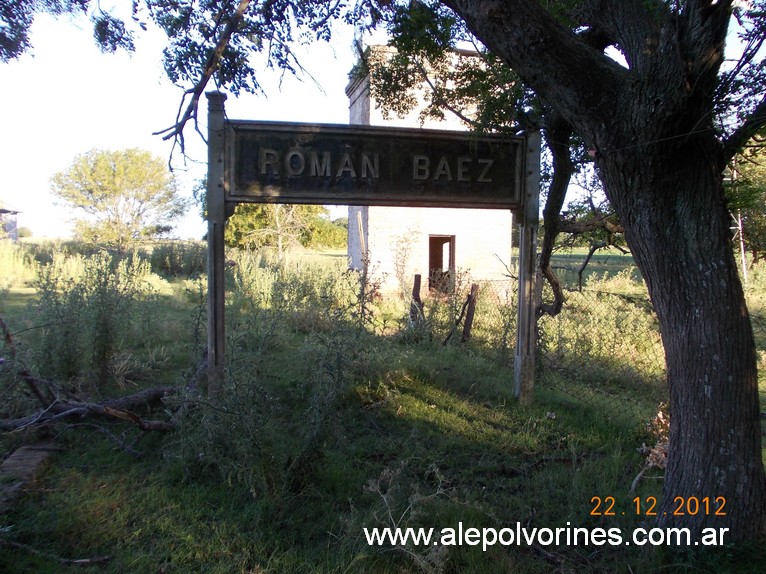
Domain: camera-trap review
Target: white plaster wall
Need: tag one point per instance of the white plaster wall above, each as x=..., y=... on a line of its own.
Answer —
x=397, y=237
x=398, y=243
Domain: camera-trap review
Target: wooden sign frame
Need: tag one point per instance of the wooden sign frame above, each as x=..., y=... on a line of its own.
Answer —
x=268, y=162
x=369, y=165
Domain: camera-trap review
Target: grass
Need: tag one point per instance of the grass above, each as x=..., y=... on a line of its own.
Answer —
x=418, y=428
x=328, y=427
x=567, y=263
x=417, y=438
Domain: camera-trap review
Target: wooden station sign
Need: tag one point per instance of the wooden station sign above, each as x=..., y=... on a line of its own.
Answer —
x=271, y=162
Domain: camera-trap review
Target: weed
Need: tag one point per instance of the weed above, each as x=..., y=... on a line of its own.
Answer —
x=85, y=311
x=17, y=267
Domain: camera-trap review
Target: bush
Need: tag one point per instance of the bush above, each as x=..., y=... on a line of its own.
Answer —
x=86, y=311
x=17, y=266
x=178, y=258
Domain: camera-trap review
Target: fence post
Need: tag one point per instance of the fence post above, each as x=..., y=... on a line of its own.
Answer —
x=216, y=218
x=524, y=361
x=470, y=313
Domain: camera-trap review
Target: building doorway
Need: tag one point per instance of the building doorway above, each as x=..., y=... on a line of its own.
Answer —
x=441, y=263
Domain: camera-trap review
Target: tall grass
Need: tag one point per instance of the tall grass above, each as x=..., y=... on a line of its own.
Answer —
x=176, y=258
x=87, y=310
x=166, y=258
x=17, y=267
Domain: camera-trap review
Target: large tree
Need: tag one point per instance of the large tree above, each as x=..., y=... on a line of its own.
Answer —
x=125, y=195
x=662, y=127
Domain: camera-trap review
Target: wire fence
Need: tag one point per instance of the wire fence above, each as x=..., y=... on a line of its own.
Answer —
x=603, y=350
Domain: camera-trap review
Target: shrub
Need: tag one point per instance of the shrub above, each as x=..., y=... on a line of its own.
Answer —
x=86, y=312
x=17, y=267
x=178, y=258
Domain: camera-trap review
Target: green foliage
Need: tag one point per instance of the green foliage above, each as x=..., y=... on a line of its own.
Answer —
x=324, y=233
x=126, y=195
x=249, y=438
x=16, y=265
x=111, y=33
x=177, y=258
x=741, y=86
x=746, y=192
x=608, y=337
x=85, y=312
x=328, y=427
x=172, y=258
x=477, y=88
x=264, y=33
x=16, y=19
x=253, y=226
x=425, y=28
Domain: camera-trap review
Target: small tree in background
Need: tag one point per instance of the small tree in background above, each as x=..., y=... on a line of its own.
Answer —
x=746, y=192
x=126, y=195
x=272, y=225
x=277, y=226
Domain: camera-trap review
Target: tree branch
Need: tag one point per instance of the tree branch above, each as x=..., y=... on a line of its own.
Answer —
x=211, y=66
x=443, y=103
x=570, y=75
x=557, y=132
x=593, y=248
x=737, y=140
x=32, y=382
x=119, y=408
x=586, y=226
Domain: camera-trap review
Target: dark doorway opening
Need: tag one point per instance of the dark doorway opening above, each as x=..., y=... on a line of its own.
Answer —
x=441, y=263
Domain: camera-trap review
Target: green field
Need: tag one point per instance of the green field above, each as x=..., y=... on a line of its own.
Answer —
x=338, y=415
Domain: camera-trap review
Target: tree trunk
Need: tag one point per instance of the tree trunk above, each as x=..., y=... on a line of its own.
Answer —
x=651, y=123
x=671, y=203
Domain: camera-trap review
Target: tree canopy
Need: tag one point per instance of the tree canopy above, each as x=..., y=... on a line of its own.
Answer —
x=282, y=227
x=125, y=195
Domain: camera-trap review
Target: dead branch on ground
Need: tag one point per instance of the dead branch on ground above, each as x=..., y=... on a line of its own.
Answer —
x=64, y=561
x=57, y=405
x=116, y=408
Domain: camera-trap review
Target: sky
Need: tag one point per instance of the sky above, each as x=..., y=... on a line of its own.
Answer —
x=65, y=97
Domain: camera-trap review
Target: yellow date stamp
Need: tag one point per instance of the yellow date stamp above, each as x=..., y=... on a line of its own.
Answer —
x=648, y=506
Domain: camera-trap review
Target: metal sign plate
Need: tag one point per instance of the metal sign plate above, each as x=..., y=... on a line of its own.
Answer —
x=362, y=165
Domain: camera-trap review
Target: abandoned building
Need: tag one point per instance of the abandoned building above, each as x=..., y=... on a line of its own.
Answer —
x=442, y=245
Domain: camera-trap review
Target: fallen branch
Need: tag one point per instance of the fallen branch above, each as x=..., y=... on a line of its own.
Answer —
x=35, y=385
x=211, y=67
x=54, y=408
x=119, y=408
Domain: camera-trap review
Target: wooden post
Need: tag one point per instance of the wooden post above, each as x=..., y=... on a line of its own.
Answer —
x=526, y=339
x=470, y=313
x=416, y=306
x=216, y=218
